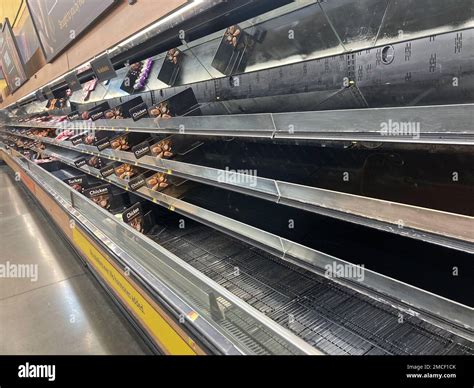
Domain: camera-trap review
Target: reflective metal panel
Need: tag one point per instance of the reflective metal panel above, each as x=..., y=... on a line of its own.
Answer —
x=408, y=19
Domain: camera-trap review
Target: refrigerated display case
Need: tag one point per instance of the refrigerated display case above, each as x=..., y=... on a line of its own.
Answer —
x=288, y=184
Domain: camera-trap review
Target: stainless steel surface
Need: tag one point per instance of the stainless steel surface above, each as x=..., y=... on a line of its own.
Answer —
x=63, y=311
x=442, y=124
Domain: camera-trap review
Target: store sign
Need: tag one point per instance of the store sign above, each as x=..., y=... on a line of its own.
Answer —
x=156, y=325
x=59, y=22
x=103, y=68
x=73, y=82
x=12, y=64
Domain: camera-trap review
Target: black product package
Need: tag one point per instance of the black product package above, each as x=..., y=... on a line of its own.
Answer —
x=80, y=162
x=103, y=143
x=78, y=183
x=108, y=170
x=101, y=195
x=126, y=171
x=74, y=115
x=171, y=66
x=131, y=77
x=174, y=145
x=139, y=111
x=137, y=218
x=135, y=183
x=95, y=162
x=141, y=149
x=77, y=139
x=96, y=112
x=98, y=138
x=234, y=51
x=133, y=216
x=137, y=76
x=126, y=141
x=180, y=104
x=157, y=182
x=162, y=149
x=122, y=111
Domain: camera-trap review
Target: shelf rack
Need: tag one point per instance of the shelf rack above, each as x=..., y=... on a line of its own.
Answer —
x=433, y=308
x=451, y=230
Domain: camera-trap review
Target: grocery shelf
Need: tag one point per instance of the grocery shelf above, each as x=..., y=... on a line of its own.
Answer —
x=314, y=303
x=281, y=290
x=181, y=286
x=430, y=225
x=442, y=124
x=262, y=177
x=432, y=305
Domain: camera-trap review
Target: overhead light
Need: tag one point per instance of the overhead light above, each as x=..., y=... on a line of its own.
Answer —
x=180, y=11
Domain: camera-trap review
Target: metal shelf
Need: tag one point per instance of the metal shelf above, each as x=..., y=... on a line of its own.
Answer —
x=172, y=279
x=278, y=289
x=437, y=227
x=443, y=124
x=434, y=308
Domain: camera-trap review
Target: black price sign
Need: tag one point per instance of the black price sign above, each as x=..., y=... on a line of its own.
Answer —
x=135, y=183
x=141, y=149
x=107, y=170
x=73, y=82
x=103, y=68
x=138, y=112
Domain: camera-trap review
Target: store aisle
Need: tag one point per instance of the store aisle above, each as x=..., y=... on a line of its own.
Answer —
x=57, y=307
